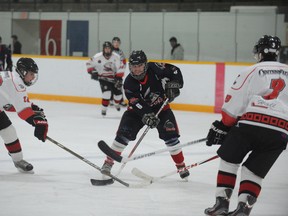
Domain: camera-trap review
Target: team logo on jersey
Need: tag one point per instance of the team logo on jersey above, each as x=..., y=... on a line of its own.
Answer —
x=160, y=65
x=21, y=86
x=155, y=98
x=1, y=80
x=228, y=98
x=99, y=61
x=108, y=67
x=169, y=126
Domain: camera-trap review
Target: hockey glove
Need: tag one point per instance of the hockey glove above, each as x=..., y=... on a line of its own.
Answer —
x=9, y=108
x=41, y=127
x=118, y=82
x=94, y=75
x=172, y=90
x=37, y=110
x=151, y=120
x=217, y=133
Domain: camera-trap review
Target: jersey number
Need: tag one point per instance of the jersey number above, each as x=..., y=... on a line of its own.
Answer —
x=26, y=99
x=277, y=85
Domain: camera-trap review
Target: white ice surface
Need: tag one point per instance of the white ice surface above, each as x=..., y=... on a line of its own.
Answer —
x=61, y=186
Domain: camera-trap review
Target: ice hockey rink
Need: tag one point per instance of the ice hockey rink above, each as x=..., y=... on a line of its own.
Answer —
x=61, y=185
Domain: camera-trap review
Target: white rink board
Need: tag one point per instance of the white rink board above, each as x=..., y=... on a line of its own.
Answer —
x=68, y=77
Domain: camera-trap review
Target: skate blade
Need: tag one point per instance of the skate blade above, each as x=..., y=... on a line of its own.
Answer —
x=25, y=172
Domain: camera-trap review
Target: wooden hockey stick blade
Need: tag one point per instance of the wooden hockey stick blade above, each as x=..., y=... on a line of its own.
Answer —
x=108, y=151
x=98, y=182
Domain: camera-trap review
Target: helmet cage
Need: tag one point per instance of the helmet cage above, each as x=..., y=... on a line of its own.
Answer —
x=105, y=45
x=137, y=58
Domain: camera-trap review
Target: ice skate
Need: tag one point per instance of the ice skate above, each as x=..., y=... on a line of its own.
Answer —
x=123, y=104
x=183, y=173
x=244, y=209
x=103, y=113
x=106, y=169
x=117, y=106
x=23, y=166
x=221, y=206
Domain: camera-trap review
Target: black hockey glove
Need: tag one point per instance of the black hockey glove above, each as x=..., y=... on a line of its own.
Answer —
x=37, y=110
x=172, y=90
x=94, y=75
x=118, y=82
x=217, y=133
x=151, y=120
x=41, y=127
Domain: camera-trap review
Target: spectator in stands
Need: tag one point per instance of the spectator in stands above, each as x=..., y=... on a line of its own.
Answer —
x=5, y=57
x=16, y=45
x=177, y=52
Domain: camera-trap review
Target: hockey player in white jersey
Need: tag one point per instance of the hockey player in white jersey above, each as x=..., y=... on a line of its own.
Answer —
x=254, y=120
x=13, y=97
x=116, y=42
x=107, y=67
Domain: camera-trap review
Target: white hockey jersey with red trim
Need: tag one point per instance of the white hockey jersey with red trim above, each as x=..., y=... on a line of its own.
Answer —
x=122, y=56
x=259, y=96
x=13, y=91
x=106, y=68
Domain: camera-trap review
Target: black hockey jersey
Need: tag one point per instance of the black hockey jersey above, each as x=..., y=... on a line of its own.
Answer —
x=149, y=94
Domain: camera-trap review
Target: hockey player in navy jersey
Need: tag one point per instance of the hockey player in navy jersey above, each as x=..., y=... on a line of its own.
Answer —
x=254, y=124
x=146, y=87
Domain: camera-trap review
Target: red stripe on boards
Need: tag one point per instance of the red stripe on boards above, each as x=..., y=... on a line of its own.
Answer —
x=219, y=87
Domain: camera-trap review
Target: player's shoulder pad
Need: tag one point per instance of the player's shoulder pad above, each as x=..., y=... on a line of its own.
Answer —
x=97, y=55
x=116, y=54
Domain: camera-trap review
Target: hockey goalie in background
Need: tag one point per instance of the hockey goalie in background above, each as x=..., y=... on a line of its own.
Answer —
x=108, y=69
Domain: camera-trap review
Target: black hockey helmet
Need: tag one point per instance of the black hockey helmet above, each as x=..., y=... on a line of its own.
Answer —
x=25, y=65
x=267, y=48
x=116, y=39
x=138, y=57
x=109, y=45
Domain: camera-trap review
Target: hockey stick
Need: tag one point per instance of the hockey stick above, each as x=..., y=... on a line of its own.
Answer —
x=111, y=153
x=93, y=181
x=142, y=136
x=152, y=179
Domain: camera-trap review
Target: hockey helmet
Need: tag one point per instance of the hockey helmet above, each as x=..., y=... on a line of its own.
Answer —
x=107, y=44
x=25, y=65
x=116, y=39
x=138, y=57
x=267, y=48
x=116, y=43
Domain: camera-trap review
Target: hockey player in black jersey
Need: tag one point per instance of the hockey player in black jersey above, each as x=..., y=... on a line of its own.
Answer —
x=146, y=88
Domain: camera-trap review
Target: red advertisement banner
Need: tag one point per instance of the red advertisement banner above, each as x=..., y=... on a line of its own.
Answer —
x=50, y=34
